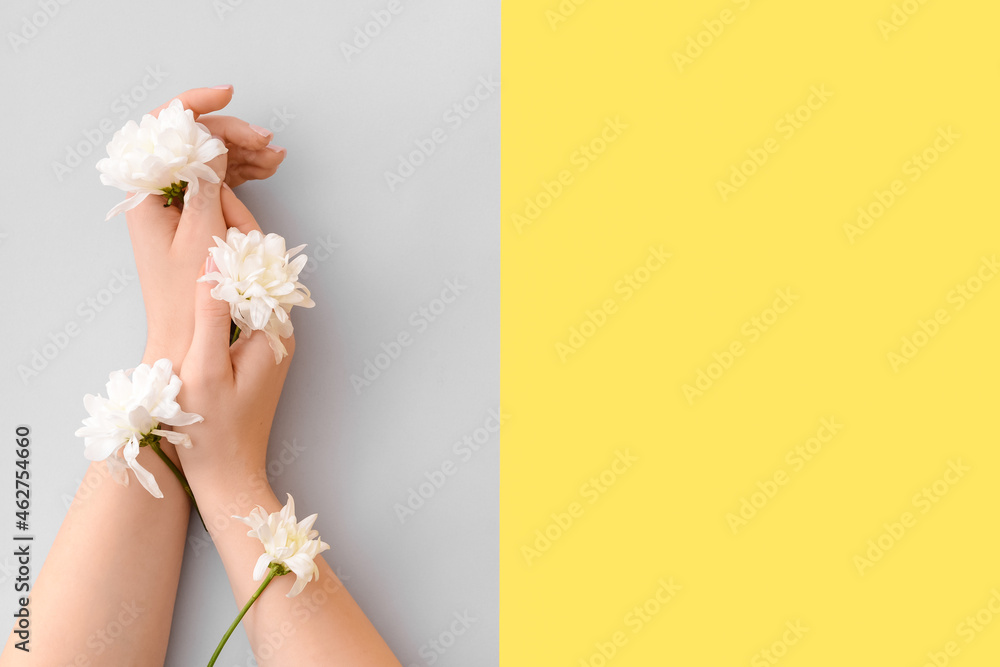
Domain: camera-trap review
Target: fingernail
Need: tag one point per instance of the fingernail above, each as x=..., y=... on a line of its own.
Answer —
x=226, y=186
x=210, y=266
x=276, y=149
x=228, y=86
x=262, y=131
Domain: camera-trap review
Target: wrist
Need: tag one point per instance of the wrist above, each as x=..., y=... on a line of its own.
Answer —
x=233, y=494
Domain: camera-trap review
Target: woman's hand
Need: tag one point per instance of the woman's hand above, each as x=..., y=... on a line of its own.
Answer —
x=251, y=155
x=237, y=389
x=170, y=245
x=238, y=386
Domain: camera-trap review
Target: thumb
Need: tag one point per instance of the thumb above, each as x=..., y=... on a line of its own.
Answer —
x=209, y=352
x=202, y=218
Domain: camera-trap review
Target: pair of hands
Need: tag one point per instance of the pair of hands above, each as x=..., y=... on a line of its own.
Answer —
x=236, y=389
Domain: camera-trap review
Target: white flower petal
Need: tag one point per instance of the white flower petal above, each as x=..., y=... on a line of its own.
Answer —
x=182, y=439
x=127, y=205
x=276, y=345
x=297, y=587
x=131, y=451
x=260, y=569
x=180, y=418
x=303, y=565
x=146, y=479
x=307, y=523
x=118, y=470
x=98, y=449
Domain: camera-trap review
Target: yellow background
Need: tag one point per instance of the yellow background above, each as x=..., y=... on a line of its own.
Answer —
x=665, y=517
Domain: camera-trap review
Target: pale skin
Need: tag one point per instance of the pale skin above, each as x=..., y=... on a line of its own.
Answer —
x=240, y=386
x=105, y=594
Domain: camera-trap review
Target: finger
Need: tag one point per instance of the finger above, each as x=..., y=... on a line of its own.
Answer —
x=151, y=226
x=268, y=157
x=202, y=217
x=209, y=352
x=253, y=361
x=235, y=212
x=248, y=172
x=247, y=165
x=238, y=132
x=201, y=100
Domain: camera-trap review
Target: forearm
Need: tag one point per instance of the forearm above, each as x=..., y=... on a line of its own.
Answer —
x=324, y=623
x=105, y=595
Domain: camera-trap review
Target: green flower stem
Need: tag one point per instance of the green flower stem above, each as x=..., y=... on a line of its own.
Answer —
x=154, y=444
x=275, y=569
x=234, y=335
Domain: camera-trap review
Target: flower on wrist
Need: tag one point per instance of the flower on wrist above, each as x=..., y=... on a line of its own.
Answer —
x=259, y=279
x=160, y=155
x=139, y=402
x=289, y=546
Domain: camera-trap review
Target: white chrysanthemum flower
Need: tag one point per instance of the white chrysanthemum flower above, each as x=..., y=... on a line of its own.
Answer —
x=286, y=543
x=259, y=279
x=138, y=403
x=160, y=155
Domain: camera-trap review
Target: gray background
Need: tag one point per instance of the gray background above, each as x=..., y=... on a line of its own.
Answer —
x=347, y=456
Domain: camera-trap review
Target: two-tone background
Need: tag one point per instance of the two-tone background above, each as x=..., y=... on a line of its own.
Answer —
x=749, y=345
x=353, y=91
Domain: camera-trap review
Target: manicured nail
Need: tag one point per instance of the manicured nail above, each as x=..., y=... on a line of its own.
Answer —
x=262, y=131
x=276, y=149
x=210, y=266
x=228, y=86
x=226, y=186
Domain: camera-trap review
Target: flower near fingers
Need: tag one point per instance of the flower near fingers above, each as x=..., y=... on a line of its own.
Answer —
x=139, y=402
x=259, y=279
x=160, y=155
x=289, y=546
